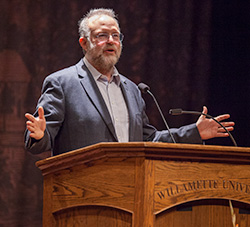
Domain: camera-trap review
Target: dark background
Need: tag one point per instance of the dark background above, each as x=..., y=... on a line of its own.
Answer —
x=191, y=53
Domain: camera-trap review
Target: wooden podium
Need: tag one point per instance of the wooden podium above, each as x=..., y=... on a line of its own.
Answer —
x=147, y=184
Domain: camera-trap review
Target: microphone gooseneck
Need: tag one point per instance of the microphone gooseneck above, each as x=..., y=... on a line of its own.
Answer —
x=146, y=89
x=180, y=112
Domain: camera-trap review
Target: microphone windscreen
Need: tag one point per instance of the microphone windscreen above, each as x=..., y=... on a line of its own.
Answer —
x=143, y=87
x=175, y=111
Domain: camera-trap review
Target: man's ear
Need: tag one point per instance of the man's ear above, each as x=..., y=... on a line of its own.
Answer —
x=83, y=43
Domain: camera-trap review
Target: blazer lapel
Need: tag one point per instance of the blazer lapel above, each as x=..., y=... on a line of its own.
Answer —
x=91, y=88
x=129, y=99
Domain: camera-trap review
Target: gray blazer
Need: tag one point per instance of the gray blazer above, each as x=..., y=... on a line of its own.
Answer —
x=77, y=116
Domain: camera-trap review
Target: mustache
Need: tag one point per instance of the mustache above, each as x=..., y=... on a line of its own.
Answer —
x=110, y=46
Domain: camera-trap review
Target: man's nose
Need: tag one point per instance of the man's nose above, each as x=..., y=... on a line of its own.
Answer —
x=110, y=38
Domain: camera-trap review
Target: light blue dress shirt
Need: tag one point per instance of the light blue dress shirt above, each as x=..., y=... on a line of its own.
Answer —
x=113, y=97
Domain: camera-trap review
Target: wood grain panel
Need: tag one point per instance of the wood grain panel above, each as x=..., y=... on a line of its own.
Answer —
x=106, y=183
x=178, y=182
x=93, y=216
x=203, y=213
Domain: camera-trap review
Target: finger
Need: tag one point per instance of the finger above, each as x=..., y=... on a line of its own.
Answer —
x=32, y=134
x=205, y=110
x=222, y=117
x=230, y=128
x=221, y=130
x=30, y=117
x=36, y=136
x=30, y=128
x=222, y=135
x=40, y=112
x=29, y=123
x=228, y=124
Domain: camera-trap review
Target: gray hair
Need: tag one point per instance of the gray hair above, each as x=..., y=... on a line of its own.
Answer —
x=83, y=23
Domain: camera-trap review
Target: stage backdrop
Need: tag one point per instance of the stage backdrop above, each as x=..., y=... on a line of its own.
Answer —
x=191, y=53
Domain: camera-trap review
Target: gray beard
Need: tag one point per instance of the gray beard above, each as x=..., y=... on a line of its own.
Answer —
x=100, y=62
x=105, y=64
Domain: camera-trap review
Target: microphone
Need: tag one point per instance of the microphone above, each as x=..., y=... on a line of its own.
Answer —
x=146, y=89
x=175, y=112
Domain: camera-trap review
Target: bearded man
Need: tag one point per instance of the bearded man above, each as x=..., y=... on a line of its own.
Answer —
x=92, y=102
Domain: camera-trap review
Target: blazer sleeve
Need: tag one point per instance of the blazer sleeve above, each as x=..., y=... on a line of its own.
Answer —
x=184, y=134
x=52, y=100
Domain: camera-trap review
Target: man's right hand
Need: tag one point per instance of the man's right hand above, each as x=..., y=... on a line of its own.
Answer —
x=36, y=125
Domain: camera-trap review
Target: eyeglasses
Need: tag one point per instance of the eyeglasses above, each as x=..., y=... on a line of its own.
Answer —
x=104, y=37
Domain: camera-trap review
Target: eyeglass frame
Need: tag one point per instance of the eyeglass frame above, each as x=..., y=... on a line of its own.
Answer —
x=121, y=36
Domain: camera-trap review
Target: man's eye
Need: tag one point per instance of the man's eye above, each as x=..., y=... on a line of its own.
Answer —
x=102, y=35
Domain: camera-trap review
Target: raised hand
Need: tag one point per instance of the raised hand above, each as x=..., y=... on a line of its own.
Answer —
x=36, y=125
x=208, y=128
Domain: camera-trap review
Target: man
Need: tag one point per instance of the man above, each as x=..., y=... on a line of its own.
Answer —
x=91, y=102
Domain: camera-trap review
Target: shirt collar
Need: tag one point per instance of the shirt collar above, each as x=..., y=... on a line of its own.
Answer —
x=99, y=77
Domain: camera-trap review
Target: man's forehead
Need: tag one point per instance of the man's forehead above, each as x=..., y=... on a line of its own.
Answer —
x=101, y=20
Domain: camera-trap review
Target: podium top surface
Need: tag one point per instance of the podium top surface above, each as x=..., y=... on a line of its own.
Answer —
x=147, y=150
